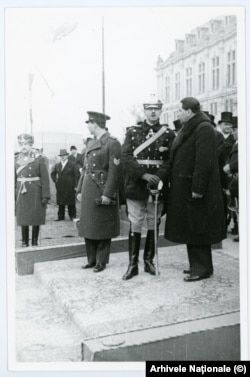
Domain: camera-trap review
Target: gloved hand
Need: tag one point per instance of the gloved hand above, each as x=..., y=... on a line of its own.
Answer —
x=45, y=201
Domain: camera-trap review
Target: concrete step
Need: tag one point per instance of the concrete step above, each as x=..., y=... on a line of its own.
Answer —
x=103, y=306
x=43, y=332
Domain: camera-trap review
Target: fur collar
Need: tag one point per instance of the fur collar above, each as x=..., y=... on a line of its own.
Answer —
x=188, y=129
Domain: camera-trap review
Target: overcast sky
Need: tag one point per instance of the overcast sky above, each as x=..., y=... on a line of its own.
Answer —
x=61, y=48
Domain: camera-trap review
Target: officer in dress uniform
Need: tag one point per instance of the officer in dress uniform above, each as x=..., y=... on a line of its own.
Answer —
x=32, y=189
x=98, y=192
x=145, y=157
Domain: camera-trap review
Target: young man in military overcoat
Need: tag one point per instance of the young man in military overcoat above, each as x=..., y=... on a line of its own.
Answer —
x=98, y=192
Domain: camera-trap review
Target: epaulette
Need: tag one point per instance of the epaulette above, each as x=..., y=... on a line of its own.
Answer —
x=134, y=127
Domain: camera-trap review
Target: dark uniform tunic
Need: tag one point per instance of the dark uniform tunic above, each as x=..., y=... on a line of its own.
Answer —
x=134, y=167
x=32, y=185
x=100, y=177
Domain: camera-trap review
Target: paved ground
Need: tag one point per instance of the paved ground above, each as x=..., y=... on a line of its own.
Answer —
x=61, y=304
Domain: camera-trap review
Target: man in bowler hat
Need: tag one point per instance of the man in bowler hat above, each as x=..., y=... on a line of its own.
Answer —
x=64, y=176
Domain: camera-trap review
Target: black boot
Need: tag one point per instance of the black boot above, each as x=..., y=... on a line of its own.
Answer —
x=134, y=249
x=149, y=253
x=25, y=236
x=35, y=233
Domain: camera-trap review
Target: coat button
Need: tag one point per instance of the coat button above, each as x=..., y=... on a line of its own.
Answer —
x=93, y=164
x=93, y=154
x=29, y=167
x=29, y=175
x=30, y=183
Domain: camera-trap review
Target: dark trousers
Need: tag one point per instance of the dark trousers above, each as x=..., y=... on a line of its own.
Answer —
x=98, y=251
x=200, y=259
x=71, y=211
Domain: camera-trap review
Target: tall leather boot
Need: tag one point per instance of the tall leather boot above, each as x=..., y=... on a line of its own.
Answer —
x=35, y=233
x=134, y=249
x=25, y=236
x=149, y=253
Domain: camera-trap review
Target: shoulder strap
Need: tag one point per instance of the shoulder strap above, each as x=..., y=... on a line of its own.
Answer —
x=149, y=141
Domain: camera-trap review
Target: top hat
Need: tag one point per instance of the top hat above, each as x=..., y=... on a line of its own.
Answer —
x=153, y=102
x=98, y=118
x=25, y=138
x=235, y=122
x=63, y=152
x=226, y=116
x=177, y=124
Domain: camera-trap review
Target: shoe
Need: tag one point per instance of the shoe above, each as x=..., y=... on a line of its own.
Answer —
x=186, y=271
x=88, y=265
x=99, y=268
x=149, y=267
x=196, y=278
x=59, y=220
x=25, y=244
x=131, y=272
x=236, y=239
x=34, y=243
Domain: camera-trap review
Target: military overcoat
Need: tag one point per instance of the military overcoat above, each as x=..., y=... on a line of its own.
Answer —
x=100, y=177
x=32, y=185
x=194, y=168
x=66, y=181
x=134, y=186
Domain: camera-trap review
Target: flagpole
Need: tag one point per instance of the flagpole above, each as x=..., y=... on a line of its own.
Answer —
x=30, y=82
x=103, y=69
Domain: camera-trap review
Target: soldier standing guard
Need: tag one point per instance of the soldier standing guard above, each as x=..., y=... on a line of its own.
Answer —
x=98, y=192
x=145, y=157
x=32, y=189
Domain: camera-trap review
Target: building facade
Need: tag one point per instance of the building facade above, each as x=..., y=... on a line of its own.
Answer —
x=204, y=66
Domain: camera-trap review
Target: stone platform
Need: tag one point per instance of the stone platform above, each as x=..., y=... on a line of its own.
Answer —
x=120, y=320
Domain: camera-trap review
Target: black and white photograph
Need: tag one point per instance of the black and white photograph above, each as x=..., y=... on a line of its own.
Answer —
x=126, y=215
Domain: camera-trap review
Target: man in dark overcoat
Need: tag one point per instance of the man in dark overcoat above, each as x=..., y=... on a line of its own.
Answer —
x=32, y=189
x=226, y=125
x=145, y=157
x=195, y=206
x=76, y=157
x=231, y=169
x=65, y=178
x=98, y=192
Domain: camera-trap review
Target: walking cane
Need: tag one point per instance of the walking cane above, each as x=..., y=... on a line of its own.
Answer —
x=156, y=194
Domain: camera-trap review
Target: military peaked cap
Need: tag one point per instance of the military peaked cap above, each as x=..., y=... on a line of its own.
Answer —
x=25, y=138
x=98, y=118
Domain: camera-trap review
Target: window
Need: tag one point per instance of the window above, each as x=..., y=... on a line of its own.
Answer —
x=215, y=72
x=226, y=105
x=231, y=68
x=201, y=77
x=189, y=81
x=177, y=86
x=231, y=105
x=167, y=89
x=213, y=108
